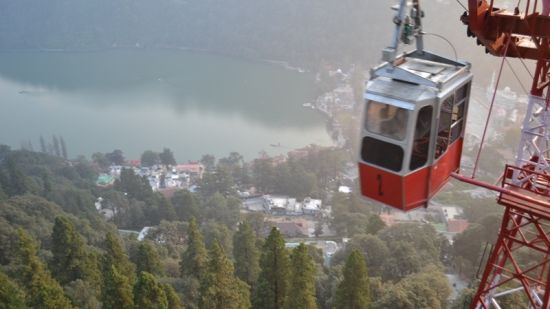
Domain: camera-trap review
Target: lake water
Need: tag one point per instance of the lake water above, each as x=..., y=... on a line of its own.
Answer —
x=137, y=100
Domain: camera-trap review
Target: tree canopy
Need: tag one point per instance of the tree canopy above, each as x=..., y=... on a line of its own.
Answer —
x=353, y=291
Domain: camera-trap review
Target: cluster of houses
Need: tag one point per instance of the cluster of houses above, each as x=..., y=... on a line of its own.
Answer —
x=450, y=218
x=338, y=99
x=286, y=206
x=160, y=177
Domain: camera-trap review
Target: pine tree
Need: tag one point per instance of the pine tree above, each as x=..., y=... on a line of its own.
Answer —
x=63, y=148
x=11, y=296
x=149, y=293
x=148, y=259
x=56, y=148
x=17, y=184
x=194, y=259
x=167, y=157
x=220, y=288
x=174, y=301
x=71, y=261
x=302, y=280
x=246, y=254
x=43, y=147
x=83, y=295
x=42, y=289
x=116, y=255
x=353, y=291
x=273, y=282
x=166, y=210
x=116, y=290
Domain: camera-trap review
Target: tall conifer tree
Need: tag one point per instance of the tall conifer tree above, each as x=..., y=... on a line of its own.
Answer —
x=63, y=148
x=11, y=296
x=302, y=280
x=149, y=293
x=246, y=254
x=220, y=288
x=174, y=301
x=43, y=147
x=71, y=261
x=56, y=147
x=42, y=289
x=116, y=292
x=194, y=260
x=272, y=286
x=353, y=291
x=116, y=255
x=148, y=259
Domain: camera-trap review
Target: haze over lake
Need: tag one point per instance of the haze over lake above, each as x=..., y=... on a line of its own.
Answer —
x=136, y=100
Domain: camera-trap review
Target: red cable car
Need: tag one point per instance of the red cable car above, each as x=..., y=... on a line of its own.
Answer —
x=413, y=128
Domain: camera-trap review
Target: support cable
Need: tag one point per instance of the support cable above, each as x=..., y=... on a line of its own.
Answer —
x=490, y=111
x=462, y=5
x=522, y=60
x=517, y=77
x=444, y=39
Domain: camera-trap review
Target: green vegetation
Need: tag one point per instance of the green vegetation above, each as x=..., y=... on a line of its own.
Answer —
x=202, y=252
x=220, y=287
x=302, y=280
x=273, y=282
x=353, y=291
x=246, y=254
x=149, y=293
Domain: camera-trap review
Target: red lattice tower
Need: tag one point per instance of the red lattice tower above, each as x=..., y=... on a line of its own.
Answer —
x=525, y=189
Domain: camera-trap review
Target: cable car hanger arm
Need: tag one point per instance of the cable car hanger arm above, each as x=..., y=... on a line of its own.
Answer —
x=404, y=29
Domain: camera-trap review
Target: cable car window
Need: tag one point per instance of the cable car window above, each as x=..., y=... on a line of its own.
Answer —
x=462, y=92
x=421, y=144
x=383, y=154
x=386, y=120
x=444, y=126
x=456, y=130
x=458, y=112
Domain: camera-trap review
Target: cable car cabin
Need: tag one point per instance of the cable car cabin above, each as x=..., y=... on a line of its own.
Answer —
x=413, y=128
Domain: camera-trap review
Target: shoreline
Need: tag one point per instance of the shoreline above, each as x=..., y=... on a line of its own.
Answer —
x=280, y=63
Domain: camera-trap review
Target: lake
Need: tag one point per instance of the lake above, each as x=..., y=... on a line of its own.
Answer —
x=135, y=100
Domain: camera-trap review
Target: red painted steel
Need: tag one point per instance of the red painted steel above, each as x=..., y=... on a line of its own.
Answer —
x=525, y=226
x=416, y=189
x=524, y=192
x=447, y=164
x=408, y=192
x=381, y=185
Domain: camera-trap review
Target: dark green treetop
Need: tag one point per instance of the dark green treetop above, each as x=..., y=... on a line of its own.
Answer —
x=149, y=293
x=302, y=280
x=71, y=259
x=115, y=255
x=273, y=282
x=148, y=259
x=116, y=291
x=172, y=297
x=11, y=296
x=194, y=259
x=220, y=289
x=353, y=291
x=246, y=254
x=42, y=289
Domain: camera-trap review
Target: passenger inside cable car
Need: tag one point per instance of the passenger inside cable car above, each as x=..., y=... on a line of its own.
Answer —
x=409, y=149
x=388, y=121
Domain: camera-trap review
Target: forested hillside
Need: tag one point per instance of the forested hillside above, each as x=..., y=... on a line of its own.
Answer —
x=57, y=251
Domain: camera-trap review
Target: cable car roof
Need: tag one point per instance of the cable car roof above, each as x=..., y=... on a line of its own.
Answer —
x=422, y=68
x=397, y=93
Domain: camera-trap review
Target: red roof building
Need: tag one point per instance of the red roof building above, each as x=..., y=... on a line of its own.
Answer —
x=457, y=225
x=194, y=168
